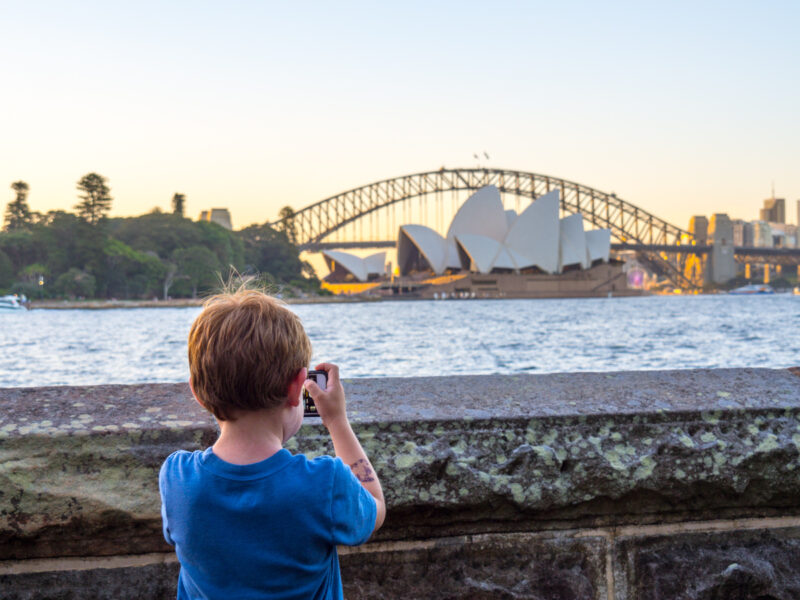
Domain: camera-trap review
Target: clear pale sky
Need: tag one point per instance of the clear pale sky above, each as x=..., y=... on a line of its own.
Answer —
x=681, y=108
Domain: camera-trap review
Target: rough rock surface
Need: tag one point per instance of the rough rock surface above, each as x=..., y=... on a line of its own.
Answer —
x=77, y=466
x=152, y=582
x=524, y=566
x=732, y=566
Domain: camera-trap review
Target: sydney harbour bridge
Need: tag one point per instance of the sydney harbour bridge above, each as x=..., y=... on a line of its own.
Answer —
x=368, y=217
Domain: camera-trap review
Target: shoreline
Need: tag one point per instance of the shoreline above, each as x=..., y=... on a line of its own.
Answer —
x=174, y=303
x=340, y=299
x=197, y=302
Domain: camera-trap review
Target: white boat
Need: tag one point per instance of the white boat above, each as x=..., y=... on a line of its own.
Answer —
x=10, y=303
x=754, y=288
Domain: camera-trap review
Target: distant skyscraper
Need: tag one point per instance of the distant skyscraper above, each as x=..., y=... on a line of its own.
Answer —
x=798, y=213
x=774, y=210
x=698, y=227
x=783, y=235
x=762, y=234
x=720, y=235
x=742, y=233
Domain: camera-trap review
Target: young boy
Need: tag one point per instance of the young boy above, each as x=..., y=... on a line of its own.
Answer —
x=247, y=518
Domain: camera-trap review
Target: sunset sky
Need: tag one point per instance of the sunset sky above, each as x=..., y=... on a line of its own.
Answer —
x=681, y=108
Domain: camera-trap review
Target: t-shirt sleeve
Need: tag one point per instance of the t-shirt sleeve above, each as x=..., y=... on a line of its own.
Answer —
x=353, y=508
x=162, y=479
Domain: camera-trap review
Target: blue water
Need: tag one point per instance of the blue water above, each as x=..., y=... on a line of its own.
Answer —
x=84, y=347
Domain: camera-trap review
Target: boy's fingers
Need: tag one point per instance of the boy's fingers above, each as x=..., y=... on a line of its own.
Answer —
x=312, y=387
x=331, y=369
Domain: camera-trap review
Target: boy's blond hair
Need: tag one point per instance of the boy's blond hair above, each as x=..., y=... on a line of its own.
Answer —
x=244, y=349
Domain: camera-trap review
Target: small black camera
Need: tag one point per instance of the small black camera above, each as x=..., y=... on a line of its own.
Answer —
x=321, y=379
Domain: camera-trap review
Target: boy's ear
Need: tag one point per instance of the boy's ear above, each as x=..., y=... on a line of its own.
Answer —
x=295, y=388
x=191, y=387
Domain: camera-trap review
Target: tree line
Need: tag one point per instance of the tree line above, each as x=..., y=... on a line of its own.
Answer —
x=87, y=254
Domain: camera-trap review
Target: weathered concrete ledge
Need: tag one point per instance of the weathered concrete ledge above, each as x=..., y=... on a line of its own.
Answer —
x=622, y=485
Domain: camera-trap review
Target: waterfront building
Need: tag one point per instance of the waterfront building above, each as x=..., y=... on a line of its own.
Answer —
x=220, y=216
x=774, y=210
x=484, y=238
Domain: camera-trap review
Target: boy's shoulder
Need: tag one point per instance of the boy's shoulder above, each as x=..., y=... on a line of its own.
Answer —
x=181, y=456
x=177, y=459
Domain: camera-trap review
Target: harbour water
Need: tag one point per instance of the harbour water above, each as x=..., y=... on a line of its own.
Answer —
x=87, y=347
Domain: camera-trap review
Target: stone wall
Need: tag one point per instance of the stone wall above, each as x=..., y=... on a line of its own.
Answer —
x=671, y=484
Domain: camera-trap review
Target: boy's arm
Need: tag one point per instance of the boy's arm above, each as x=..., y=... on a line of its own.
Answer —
x=348, y=448
x=332, y=409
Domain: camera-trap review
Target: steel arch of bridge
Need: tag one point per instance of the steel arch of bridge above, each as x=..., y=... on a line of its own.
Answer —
x=628, y=223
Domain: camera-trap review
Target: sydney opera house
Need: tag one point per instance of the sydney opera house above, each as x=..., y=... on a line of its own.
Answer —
x=489, y=251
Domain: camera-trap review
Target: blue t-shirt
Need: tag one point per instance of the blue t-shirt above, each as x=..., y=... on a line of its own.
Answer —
x=264, y=530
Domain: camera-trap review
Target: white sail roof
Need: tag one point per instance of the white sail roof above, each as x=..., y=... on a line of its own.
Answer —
x=598, y=244
x=427, y=242
x=452, y=262
x=481, y=214
x=573, y=242
x=481, y=249
x=511, y=216
x=508, y=259
x=534, y=235
x=351, y=263
x=376, y=263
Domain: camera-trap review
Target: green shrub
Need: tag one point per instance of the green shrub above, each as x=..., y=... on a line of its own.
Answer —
x=75, y=284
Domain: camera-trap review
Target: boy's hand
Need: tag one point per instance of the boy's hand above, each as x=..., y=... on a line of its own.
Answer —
x=330, y=402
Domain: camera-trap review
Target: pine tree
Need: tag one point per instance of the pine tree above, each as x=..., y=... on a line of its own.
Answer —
x=287, y=223
x=18, y=214
x=95, y=200
x=178, y=203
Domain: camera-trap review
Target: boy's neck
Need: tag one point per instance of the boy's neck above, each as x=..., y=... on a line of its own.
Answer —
x=251, y=438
